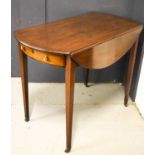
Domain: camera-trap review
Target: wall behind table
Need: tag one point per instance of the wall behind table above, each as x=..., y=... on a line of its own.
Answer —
x=25, y=13
x=32, y=12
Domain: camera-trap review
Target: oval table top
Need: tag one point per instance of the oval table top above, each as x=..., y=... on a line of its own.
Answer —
x=74, y=34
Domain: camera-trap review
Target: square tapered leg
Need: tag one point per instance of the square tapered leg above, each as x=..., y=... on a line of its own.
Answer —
x=131, y=64
x=24, y=80
x=69, y=80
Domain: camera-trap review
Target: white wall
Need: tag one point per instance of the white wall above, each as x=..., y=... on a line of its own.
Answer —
x=140, y=92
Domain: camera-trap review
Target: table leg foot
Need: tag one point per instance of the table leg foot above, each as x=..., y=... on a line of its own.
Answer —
x=67, y=150
x=86, y=84
x=86, y=77
x=27, y=119
x=126, y=101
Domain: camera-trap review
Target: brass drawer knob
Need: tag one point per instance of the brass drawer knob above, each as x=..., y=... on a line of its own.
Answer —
x=23, y=48
x=45, y=58
x=33, y=51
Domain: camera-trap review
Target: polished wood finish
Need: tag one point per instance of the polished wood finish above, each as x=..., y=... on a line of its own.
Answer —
x=69, y=79
x=75, y=34
x=24, y=79
x=107, y=53
x=92, y=40
x=48, y=58
x=131, y=64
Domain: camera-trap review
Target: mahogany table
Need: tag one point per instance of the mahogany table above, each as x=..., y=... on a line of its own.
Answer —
x=93, y=40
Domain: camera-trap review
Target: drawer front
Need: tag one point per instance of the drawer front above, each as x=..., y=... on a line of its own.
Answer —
x=48, y=58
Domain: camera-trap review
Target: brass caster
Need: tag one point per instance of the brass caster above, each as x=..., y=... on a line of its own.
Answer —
x=68, y=149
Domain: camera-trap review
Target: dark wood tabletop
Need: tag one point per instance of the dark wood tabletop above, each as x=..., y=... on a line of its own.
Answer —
x=76, y=33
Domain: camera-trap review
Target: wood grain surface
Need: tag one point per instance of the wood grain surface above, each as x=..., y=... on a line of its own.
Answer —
x=107, y=53
x=76, y=33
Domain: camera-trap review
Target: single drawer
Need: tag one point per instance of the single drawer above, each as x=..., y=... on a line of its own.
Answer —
x=45, y=57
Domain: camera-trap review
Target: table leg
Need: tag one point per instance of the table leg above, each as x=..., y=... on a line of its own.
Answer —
x=24, y=79
x=86, y=77
x=131, y=64
x=69, y=79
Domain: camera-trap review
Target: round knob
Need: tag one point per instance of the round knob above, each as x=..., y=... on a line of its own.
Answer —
x=46, y=58
x=33, y=51
x=23, y=48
